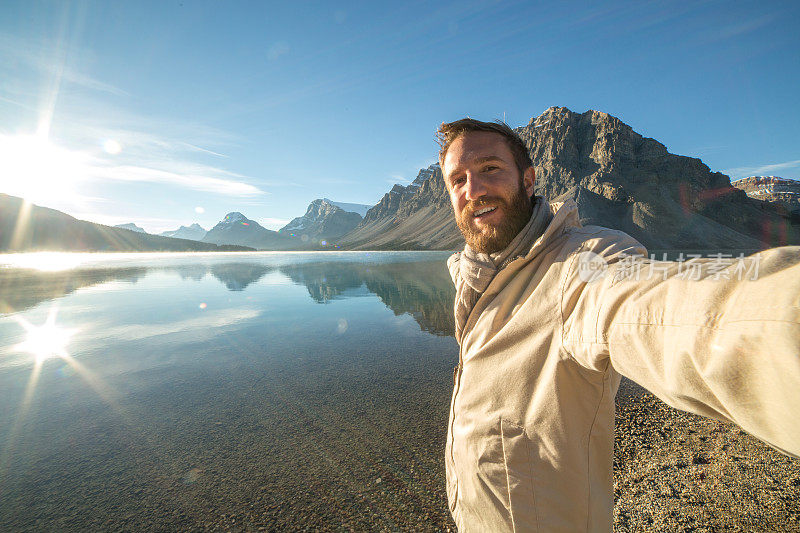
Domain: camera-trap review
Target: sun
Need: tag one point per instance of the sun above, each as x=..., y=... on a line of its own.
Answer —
x=39, y=170
x=112, y=147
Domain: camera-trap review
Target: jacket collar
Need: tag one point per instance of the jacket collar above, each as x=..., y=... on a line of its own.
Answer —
x=565, y=216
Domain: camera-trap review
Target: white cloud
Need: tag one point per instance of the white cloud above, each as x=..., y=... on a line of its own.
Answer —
x=189, y=179
x=205, y=150
x=735, y=31
x=173, y=138
x=743, y=172
x=273, y=223
x=91, y=83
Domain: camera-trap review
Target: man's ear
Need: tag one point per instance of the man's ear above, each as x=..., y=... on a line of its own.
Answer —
x=529, y=180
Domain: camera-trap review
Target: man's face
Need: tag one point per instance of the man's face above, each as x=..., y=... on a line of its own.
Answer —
x=491, y=201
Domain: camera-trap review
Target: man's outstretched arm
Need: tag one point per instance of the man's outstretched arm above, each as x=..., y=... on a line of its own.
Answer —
x=718, y=336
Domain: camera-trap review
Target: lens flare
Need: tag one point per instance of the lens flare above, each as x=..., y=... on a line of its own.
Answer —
x=112, y=147
x=45, y=341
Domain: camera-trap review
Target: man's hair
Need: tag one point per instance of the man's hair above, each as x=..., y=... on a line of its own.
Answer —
x=450, y=131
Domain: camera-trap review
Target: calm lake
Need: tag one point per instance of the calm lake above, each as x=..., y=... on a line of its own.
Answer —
x=224, y=391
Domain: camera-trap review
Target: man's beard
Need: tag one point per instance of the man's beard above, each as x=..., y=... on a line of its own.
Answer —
x=517, y=213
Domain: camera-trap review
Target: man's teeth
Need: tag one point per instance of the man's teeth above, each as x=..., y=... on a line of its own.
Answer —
x=479, y=212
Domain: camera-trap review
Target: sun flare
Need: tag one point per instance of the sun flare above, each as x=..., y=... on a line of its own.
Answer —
x=45, y=341
x=39, y=170
x=45, y=261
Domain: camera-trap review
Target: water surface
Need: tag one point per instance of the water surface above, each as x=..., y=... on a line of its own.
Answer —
x=224, y=390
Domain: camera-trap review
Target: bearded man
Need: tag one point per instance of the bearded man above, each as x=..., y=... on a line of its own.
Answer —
x=548, y=318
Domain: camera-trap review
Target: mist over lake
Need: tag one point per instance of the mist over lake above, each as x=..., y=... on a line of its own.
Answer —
x=225, y=390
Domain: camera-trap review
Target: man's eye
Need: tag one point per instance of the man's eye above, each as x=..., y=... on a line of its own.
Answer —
x=459, y=181
x=490, y=168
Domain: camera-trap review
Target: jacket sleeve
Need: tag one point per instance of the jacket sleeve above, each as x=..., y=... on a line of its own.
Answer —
x=717, y=336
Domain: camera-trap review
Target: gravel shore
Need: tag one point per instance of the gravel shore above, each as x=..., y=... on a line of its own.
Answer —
x=674, y=471
x=294, y=453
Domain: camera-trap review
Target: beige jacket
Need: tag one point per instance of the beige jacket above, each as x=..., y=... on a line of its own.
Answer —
x=531, y=430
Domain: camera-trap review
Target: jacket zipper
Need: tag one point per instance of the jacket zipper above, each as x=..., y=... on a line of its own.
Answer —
x=457, y=371
x=457, y=381
x=456, y=384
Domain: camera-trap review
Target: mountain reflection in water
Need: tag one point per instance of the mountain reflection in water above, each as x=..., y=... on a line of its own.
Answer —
x=424, y=292
x=21, y=289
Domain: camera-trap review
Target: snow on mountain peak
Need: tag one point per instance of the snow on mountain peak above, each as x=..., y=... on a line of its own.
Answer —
x=424, y=174
x=234, y=217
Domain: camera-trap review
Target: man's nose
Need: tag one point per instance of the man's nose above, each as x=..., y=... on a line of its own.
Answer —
x=475, y=187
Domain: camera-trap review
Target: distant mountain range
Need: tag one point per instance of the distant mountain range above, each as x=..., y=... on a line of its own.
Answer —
x=774, y=190
x=618, y=178
x=324, y=220
x=131, y=226
x=26, y=228
x=195, y=232
x=236, y=228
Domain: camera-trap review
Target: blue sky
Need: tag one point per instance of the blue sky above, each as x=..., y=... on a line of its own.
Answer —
x=171, y=112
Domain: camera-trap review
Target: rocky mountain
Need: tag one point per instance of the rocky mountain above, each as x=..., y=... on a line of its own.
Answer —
x=195, y=232
x=27, y=228
x=618, y=178
x=133, y=227
x=415, y=216
x=629, y=182
x=389, y=205
x=237, y=229
x=324, y=220
x=772, y=189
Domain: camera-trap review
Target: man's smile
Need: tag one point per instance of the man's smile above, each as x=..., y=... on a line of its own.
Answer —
x=485, y=216
x=482, y=211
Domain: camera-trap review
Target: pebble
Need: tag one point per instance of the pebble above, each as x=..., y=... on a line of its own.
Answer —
x=720, y=480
